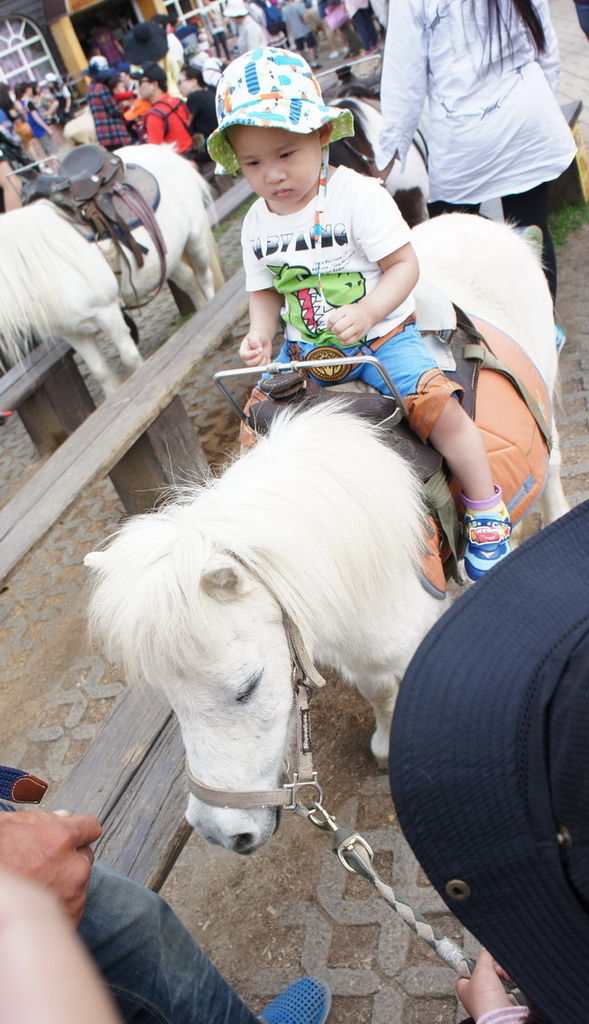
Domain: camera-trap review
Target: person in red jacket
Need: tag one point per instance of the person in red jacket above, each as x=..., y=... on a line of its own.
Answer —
x=168, y=118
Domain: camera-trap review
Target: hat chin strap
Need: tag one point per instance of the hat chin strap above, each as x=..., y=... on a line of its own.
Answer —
x=319, y=210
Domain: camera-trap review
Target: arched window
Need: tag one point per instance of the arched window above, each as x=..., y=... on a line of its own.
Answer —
x=24, y=54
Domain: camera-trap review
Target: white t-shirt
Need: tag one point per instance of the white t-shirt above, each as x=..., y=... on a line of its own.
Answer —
x=495, y=126
x=361, y=224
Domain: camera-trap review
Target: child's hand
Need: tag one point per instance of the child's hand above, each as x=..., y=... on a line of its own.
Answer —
x=256, y=349
x=483, y=991
x=350, y=323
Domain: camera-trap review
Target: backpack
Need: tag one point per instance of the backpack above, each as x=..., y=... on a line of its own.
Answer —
x=166, y=114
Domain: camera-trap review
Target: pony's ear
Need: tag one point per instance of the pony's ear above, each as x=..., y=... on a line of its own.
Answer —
x=223, y=578
x=94, y=560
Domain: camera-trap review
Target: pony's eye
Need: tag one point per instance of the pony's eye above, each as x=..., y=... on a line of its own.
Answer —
x=248, y=689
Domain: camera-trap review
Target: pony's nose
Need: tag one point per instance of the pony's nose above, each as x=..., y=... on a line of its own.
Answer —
x=245, y=842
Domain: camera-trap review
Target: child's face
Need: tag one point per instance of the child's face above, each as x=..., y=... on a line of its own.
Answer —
x=282, y=167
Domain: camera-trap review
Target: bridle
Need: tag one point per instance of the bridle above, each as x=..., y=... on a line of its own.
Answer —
x=352, y=849
x=304, y=677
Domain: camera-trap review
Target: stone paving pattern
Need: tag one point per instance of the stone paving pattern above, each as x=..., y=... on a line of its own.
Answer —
x=292, y=900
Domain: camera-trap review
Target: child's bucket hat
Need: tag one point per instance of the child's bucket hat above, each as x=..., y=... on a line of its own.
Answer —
x=489, y=764
x=271, y=88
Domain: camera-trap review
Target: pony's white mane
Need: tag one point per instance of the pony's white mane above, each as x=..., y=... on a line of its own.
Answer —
x=321, y=509
x=37, y=246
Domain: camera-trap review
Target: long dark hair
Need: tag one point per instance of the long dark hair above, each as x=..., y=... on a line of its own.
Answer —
x=498, y=26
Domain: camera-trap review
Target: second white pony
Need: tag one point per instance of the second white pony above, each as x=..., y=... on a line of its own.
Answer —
x=56, y=284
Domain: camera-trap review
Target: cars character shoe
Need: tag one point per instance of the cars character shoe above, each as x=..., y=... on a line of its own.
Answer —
x=307, y=1001
x=487, y=532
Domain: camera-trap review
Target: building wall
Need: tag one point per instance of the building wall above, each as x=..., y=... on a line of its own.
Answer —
x=33, y=10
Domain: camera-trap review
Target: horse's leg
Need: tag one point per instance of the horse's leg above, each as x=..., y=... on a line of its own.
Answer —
x=88, y=350
x=383, y=707
x=202, y=252
x=184, y=278
x=382, y=701
x=111, y=323
x=107, y=323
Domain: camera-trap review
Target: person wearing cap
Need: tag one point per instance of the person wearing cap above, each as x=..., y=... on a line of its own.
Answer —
x=167, y=119
x=327, y=251
x=249, y=34
x=489, y=771
x=111, y=131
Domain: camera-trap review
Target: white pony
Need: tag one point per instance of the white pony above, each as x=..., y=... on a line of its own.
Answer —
x=408, y=183
x=56, y=284
x=322, y=523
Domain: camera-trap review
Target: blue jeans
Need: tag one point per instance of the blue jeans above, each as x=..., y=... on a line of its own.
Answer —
x=156, y=972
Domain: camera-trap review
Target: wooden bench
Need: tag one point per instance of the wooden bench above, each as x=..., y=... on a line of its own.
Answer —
x=131, y=775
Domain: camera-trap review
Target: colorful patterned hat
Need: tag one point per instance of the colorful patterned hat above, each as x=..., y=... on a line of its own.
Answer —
x=271, y=88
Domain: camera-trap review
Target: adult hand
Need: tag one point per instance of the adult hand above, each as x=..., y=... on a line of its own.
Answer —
x=53, y=850
x=256, y=348
x=483, y=991
x=350, y=323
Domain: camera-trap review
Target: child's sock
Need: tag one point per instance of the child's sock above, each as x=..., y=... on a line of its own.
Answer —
x=487, y=528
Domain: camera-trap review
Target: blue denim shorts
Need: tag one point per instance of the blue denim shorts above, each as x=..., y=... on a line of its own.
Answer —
x=404, y=357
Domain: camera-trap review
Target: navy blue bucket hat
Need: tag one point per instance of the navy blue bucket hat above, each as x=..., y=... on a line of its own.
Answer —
x=489, y=764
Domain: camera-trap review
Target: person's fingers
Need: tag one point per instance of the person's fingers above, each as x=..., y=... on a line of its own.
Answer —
x=84, y=828
x=88, y=853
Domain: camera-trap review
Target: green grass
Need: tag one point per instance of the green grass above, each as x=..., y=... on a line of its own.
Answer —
x=569, y=219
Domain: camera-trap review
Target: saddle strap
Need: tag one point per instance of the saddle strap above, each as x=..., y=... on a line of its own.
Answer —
x=132, y=198
x=490, y=362
x=21, y=787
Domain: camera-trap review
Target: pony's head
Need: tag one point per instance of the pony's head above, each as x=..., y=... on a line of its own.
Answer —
x=192, y=621
x=319, y=524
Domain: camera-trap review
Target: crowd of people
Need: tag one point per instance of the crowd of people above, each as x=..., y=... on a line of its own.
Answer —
x=156, y=81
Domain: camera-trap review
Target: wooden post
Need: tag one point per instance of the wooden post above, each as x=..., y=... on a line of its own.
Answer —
x=169, y=452
x=61, y=403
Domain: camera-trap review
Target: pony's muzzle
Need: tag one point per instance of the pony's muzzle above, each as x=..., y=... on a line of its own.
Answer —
x=239, y=831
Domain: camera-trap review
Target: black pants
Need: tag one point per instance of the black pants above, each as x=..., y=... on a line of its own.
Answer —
x=521, y=209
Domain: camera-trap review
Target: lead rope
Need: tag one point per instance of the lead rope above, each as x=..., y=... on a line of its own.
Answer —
x=356, y=855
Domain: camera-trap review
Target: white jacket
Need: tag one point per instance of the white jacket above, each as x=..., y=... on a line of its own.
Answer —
x=492, y=132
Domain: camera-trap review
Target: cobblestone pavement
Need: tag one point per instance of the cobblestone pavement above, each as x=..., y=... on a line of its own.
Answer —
x=291, y=909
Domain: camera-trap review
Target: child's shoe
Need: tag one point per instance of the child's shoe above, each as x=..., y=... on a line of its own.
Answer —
x=487, y=528
x=307, y=1001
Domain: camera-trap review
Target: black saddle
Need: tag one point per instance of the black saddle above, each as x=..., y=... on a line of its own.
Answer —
x=104, y=198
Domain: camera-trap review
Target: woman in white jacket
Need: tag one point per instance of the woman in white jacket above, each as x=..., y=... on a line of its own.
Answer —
x=489, y=69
